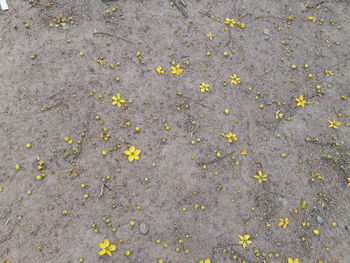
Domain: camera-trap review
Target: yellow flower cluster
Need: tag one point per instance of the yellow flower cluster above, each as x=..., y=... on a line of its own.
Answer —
x=244, y=240
x=176, y=69
x=204, y=87
x=107, y=248
x=232, y=22
x=261, y=177
x=232, y=137
x=234, y=79
x=160, y=70
x=334, y=124
x=117, y=100
x=132, y=153
x=301, y=101
x=284, y=222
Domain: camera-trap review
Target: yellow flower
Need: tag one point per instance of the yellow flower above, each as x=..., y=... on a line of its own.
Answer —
x=234, y=79
x=290, y=260
x=117, y=100
x=101, y=61
x=176, y=69
x=204, y=87
x=230, y=136
x=160, y=70
x=132, y=153
x=328, y=73
x=279, y=114
x=244, y=240
x=210, y=36
x=284, y=222
x=348, y=182
x=107, y=248
x=205, y=261
x=301, y=101
x=230, y=21
x=241, y=25
x=261, y=177
x=334, y=124
x=313, y=20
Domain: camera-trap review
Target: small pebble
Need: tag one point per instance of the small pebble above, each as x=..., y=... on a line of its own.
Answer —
x=319, y=219
x=143, y=228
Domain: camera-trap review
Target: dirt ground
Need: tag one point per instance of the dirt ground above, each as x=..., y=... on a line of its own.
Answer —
x=241, y=170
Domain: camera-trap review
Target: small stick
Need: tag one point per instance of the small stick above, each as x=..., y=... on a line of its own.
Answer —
x=8, y=219
x=218, y=158
x=183, y=12
x=102, y=187
x=204, y=14
x=107, y=34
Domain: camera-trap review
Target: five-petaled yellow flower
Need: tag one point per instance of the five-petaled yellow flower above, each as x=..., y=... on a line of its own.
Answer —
x=232, y=137
x=160, y=70
x=210, y=36
x=132, y=153
x=301, y=101
x=177, y=70
x=284, y=222
x=230, y=21
x=205, y=261
x=234, y=79
x=244, y=240
x=107, y=248
x=291, y=260
x=261, y=177
x=334, y=124
x=204, y=87
x=117, y=100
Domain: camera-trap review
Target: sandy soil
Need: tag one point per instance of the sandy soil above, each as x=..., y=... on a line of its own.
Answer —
x=66, y=184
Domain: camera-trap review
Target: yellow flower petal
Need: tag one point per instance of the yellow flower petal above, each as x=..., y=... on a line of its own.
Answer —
x=112, y=247
x=136, y=157
x=131, y=158
x=102, y=245
x=137, y=152
x=109, y=253
x=114, y=98
x=102, y=252
x=106, y=243
x=127, y=152
x=132, y=148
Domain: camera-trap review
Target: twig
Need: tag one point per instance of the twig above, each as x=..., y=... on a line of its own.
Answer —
x=107, y=34
x=229, y=38
x=102, y=187
x=205, y=14
x=219, y=158
x=181, y=9
x=199, y=103
x=6, y=237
